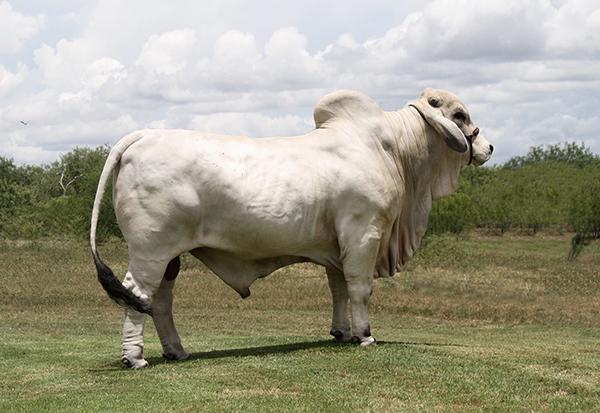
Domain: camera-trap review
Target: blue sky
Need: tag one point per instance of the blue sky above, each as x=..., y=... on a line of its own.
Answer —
x=84, y=73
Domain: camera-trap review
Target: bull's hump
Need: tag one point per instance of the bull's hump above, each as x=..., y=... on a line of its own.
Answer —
x=345, y=104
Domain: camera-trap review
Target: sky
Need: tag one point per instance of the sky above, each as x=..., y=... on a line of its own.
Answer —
x=85, y=73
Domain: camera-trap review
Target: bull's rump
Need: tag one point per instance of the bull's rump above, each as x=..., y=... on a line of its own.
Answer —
x=255, y=198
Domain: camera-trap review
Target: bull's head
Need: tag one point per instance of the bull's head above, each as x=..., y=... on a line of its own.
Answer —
x=445, y=113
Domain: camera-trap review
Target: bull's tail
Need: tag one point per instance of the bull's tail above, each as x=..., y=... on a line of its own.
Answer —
x=107, y=278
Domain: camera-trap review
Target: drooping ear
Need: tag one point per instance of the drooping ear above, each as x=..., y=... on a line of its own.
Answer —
x=428, y=108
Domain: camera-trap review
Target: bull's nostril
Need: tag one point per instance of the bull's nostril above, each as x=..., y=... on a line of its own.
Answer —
x=491, y=148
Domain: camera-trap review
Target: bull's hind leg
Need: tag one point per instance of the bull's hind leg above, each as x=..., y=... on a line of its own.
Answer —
x=143, y=279
x=340, y=325
x=132, y=354
x=162, y=314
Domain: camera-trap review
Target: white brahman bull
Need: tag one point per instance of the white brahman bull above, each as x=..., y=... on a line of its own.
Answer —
x=352, y=195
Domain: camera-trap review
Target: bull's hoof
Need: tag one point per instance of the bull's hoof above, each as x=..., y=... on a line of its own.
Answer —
x=367, y=341
x=364, y=341
x=183, y=355
x=340, y=336
x=135, y=363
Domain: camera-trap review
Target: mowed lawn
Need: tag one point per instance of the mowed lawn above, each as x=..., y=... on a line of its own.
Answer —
x=474, y=324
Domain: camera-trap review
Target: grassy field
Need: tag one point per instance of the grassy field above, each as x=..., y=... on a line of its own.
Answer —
x=474, y=324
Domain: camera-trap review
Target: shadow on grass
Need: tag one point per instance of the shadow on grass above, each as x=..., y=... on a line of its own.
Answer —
x=276, y=349
x=284, y=349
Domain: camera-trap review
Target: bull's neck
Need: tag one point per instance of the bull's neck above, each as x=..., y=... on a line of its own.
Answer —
x=427, y=170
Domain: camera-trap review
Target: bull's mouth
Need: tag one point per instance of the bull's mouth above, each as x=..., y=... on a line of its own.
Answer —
x=479, y=159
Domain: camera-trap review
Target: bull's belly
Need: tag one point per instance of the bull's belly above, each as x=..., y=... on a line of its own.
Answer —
x=243, y=252
x=259, y=239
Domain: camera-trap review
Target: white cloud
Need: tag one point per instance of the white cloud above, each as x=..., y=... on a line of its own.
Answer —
x=565, y=127
x=574, y=28
x=238, y=63
x=24, y=153
x=62, y=67
x=104, y=71
x=479, y=30
x=9, y=80
x=16, y=28
x=236, y=48
x=168, y=53
x=287, y=60
x=234, y=63
x=528, y=71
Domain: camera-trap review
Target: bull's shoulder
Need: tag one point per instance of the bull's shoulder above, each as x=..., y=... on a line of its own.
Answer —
x=345, y=104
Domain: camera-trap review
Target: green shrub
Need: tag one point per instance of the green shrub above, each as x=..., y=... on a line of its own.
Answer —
x=585, y=214
x=55, y=199
x=452, y=215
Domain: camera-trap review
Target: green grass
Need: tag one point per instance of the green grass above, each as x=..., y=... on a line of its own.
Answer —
x=474, y=324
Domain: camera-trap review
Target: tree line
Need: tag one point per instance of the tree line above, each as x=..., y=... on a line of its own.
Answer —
x=551, y=188
x=56, y=199
x=554, y=187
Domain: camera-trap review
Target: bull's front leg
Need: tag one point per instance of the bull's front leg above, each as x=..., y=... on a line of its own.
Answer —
x=359, y=290
x=359, y=267
x=340, y=325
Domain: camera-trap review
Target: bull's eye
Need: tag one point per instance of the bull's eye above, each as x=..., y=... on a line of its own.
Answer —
x=460, y=116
